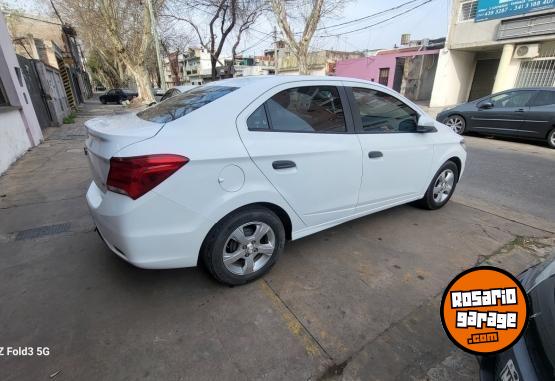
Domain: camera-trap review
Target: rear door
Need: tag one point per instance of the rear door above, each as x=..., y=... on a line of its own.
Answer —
x=540, y=118
x=396, y=159
x=302, y=140
x=507, y=116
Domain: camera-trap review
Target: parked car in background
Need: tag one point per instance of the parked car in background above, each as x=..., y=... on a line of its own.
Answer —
x=99, y=88
x=527, y=113
x=176, y=91
x=532, y=358
x=226, y=172
x=117, y=96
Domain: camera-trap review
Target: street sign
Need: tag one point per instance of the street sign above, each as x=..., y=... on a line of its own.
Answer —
x=496, y=9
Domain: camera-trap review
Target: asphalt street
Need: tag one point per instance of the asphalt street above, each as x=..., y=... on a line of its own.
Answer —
x=516, y=175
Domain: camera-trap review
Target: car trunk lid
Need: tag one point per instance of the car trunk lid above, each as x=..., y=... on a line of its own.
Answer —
x=110, y=134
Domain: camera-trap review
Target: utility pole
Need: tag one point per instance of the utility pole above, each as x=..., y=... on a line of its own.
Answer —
x=154, y=33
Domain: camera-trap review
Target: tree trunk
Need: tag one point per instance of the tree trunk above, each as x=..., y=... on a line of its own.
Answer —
x=302, y=59
x=140, y=74
x=213, y=62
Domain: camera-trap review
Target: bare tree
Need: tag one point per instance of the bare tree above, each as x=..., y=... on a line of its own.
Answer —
x=224, y=17
x=308, y=14
x=116, y=27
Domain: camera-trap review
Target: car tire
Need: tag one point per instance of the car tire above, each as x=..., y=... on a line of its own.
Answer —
x=243, y=246
x=103, y=101
x=551, y=138
x=441, y=188
x=456, y=122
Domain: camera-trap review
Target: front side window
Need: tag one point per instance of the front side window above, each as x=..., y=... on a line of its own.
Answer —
x=383, y=113
x=302, y=109
x=512, y=99
x=183, y=104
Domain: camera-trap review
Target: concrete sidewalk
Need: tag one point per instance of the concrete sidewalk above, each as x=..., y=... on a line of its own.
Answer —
x=356, y=302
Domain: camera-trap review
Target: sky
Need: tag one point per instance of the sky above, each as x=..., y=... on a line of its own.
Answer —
x=428, y=20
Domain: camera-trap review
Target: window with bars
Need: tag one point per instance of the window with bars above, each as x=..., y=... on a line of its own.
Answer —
x=467, y=11
x=536, y=73
x=3, y=97
x=383, y=77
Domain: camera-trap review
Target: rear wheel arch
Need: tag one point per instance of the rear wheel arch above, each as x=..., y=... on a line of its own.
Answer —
x=276, y=209
x=210, y=253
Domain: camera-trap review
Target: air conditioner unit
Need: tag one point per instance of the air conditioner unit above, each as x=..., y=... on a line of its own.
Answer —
x=527, y=51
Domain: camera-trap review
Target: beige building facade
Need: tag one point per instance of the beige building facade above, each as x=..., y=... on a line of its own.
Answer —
x=499, y=53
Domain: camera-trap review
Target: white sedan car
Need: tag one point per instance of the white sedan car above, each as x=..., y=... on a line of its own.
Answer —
x=231, y=170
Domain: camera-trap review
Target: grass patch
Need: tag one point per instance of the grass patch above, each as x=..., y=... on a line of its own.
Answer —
x=70, y=118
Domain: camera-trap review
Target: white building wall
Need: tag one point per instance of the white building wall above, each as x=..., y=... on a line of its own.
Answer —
x=14, y=141
x=454, y=74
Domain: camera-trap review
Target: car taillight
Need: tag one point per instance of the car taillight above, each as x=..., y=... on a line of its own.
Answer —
x=134, y=176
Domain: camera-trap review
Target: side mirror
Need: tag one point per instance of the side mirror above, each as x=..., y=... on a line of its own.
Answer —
x=485, y=105
x=426, y=124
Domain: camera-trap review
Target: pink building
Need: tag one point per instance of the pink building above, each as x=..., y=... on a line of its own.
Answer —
x=408, y=70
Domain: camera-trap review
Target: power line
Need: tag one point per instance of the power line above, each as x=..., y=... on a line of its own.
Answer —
x=377, y=23
x=366, y=17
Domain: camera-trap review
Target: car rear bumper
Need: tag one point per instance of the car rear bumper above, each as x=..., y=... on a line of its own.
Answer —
x=150, y=232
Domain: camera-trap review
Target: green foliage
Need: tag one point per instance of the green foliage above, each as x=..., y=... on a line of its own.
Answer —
x=70, y=119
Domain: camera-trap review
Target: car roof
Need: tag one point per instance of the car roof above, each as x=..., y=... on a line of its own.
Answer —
x=266, y=81
x=529, y=88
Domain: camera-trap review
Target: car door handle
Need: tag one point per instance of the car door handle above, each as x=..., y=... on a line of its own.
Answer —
x=375, y=154
x=520, y=110
x=283, y=164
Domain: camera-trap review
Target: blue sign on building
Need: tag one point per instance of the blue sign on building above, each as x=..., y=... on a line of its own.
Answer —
x=496, y=9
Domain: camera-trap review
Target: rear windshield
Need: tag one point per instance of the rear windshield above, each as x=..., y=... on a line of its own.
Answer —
x=182, y=104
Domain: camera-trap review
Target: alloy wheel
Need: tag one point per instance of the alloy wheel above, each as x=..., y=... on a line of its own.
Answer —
x=456, y=123
x=249, y=248
x=443, y=186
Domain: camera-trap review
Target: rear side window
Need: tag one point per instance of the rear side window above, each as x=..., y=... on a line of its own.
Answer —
x=301, y=109
x=183, y=104
x=383, y=113
x=258, y=119
x=544, y=98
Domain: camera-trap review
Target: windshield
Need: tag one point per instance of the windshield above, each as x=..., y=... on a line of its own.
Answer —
x=182, y=104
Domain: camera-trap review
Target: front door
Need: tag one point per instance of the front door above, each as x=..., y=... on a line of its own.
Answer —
x=396, y=159
x=299, y=138
x=505, y=114
x=484, y=78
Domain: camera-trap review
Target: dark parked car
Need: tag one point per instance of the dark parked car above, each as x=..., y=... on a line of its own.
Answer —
x=532, y=358
x=117, y=96
x=524, y=113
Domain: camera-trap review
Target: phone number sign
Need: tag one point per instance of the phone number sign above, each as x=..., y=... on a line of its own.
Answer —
x=496, y=9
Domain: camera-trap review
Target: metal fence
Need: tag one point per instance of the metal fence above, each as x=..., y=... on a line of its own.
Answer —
x=537, y=72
